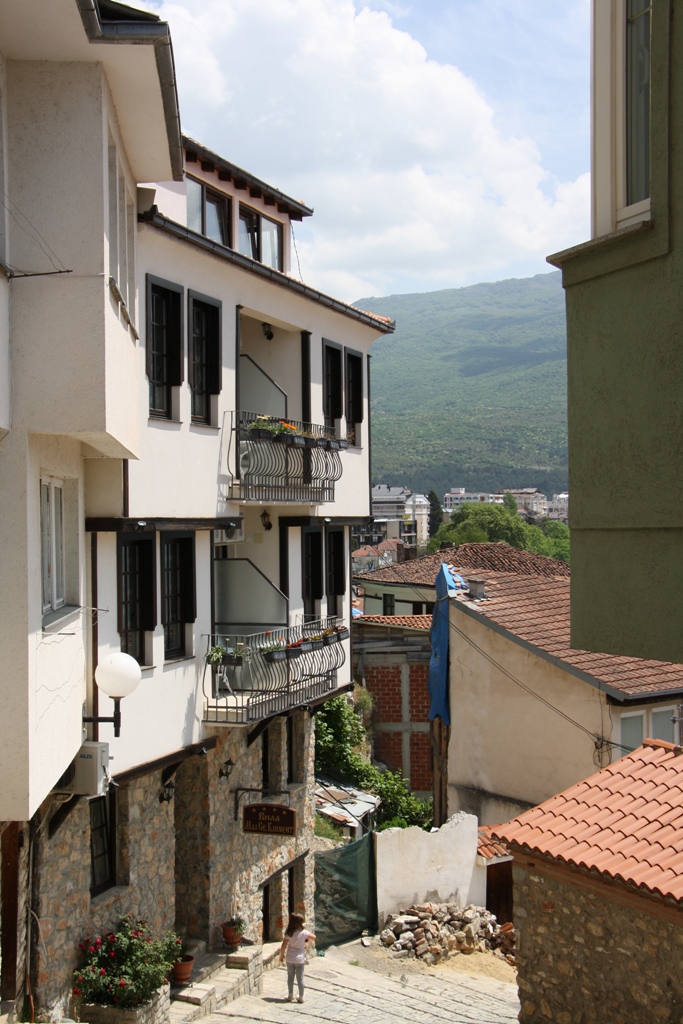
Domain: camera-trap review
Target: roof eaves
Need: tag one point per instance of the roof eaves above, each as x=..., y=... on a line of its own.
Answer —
x=170, y=227
x=250, y=179
x=154, y=33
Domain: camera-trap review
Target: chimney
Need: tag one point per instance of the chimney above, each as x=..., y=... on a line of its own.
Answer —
x=477, y=588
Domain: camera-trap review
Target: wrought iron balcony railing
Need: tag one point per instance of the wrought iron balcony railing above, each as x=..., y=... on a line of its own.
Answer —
x=284, y=460
x=262, y=674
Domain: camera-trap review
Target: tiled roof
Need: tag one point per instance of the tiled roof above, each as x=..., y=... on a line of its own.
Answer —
x=407, y=621
x=487, y=846
x=495, y=556
x=625, y=822
x=537, y=611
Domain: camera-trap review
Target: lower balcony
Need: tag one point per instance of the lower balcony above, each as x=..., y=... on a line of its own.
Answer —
x=253, y=676
x=283, y=460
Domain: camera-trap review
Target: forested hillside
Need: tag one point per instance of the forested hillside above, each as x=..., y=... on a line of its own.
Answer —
x=471, y=389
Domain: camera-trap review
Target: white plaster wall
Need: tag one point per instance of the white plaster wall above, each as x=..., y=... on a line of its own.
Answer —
x=505, y=741
x=5, y=363
x=183, y=468
x=404, y=596
x=165, y=712
x=442, y=868
x=57, y=113
x=43, y=682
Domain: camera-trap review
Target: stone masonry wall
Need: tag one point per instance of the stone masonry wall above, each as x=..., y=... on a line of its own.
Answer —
x=585, y=958
x=62, y=901
x=240, y=861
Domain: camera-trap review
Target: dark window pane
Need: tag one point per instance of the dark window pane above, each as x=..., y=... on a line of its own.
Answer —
x=174, y=624
x=332, y=384
x=198, y=370
x=216, y=220
x=194, y=205
x=271, y=243
x=132, y=627
x=249, y=233
x=103, y=869
x=159, y=388
x=388, y=604
x=637, y=101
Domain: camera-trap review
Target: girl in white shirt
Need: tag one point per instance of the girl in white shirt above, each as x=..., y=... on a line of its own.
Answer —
x=294, y=947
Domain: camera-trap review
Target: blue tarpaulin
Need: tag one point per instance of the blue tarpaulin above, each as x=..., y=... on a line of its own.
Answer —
x=438, y=663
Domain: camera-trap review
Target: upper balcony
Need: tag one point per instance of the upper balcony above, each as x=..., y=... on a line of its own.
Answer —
x=284, y=460
x=262, y=674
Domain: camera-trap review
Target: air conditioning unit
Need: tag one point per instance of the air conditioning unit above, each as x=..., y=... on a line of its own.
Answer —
x=88, y=773
x=233, y=535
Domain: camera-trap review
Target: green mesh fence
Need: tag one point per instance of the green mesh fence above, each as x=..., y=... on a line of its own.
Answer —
x=345, y=892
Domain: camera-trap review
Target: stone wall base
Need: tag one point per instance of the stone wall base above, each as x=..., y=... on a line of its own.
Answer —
x=158, y=1011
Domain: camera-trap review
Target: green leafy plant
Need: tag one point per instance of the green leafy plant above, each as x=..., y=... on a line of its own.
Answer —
x=327, y=829
x=339, y=732
x=125, y=968
x=215, y=654
x=238, y=923
x=277, y=645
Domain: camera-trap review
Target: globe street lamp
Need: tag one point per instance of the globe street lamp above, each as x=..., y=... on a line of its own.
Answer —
x=117, y=675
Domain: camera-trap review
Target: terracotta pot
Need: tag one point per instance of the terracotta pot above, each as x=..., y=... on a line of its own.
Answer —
x=231, y=935
x=182, y=969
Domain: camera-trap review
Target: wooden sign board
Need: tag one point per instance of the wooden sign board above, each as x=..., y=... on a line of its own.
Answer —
x=269, y=819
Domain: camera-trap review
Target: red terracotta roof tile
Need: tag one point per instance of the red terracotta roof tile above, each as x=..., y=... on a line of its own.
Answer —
x=489, y=847
x=641, y=844
x=493, y=556
x=407, y=621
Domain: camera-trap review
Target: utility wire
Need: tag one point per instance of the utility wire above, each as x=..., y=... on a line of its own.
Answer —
x=296, y=250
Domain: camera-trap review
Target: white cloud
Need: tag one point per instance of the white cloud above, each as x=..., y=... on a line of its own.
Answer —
x=414, y=185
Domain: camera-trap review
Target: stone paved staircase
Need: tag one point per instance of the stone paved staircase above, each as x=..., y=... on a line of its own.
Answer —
x=218, y=978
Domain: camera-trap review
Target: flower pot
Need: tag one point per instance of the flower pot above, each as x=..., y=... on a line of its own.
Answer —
x=157, y=1011
x=343, y=444
x=306, y=646
x=283, y=438
x=311, y=442
x=317, y=645
x=275, y=655
x=293, y=652
x=329, y=640
x=260, y=434
x=231, y=935
x=182, y=969
x=232, y=659
x=332, y=444
x=342, y=634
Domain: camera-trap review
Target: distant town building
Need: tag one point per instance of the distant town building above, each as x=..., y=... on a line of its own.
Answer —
x=458, y=496
x=368, y=557
x=399, y=514
x=557, y=507
x=529, y=499
x=417, y=507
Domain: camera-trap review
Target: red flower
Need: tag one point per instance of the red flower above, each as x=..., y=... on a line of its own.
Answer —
x=76, y=991
x=122, y=983
x=102, y=970
x=98, y=942
x=91, y=949
x=81, y=945
x=112, y=953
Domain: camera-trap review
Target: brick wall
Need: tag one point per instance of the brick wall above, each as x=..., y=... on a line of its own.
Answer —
x=420, y=761
x=388, y=749
x=384, y=682
x=419, y=693
x=584, y=957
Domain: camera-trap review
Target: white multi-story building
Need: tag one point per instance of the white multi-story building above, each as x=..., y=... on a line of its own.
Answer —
x=458, y=496
x=417, y=508
x=529, y=499
x=557, y=507
x=184, y=447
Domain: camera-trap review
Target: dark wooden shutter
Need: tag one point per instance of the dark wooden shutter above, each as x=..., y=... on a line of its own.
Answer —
x=313, y=565
x=148, y=576
x=354, y=388
x=332, y=382
x=175, y=339
x=188, y=576
x=149, y=290
x=214, y=376
x=336, y=575
x=306, y=376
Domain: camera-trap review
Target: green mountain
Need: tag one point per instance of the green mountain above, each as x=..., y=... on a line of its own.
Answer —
x=471, y=389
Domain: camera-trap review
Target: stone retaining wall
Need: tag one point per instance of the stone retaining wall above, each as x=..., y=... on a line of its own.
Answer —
x=158, y=1011
x=585, y=958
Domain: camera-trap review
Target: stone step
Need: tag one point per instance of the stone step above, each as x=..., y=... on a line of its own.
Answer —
x=196, y=994
x=271, y=955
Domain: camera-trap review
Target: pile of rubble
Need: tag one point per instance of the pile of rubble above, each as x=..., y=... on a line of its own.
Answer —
x=435, y=931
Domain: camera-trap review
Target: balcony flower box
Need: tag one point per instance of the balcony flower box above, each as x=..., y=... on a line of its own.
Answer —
x=343, y=634
x=278, y=655
x=261, y=434
x=293, y=652
x=331, y=638
x=310, y=442
x=332, y=444
x=317, y=645
x=343, y=444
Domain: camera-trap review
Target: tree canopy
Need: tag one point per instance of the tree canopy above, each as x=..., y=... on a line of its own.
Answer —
x=435, y=512
x=477, y=522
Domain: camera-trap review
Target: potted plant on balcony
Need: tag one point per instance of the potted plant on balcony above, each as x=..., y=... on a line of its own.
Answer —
x=330, y=636
x=317, y=641
x=125, y=970
x=237, y=655
x=216, y=654
x=233, y=929
x=294, y=649
x=262, y=429
x=342, y=632
x=274, y=652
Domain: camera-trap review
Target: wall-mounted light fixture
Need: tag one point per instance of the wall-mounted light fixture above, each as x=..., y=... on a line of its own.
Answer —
x=267, y=331
x=265, y=519
x=167, y=793
x=116, y=675
x=226, y=769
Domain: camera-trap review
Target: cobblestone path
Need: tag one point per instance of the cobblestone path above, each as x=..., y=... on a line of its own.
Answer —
x=340, y=993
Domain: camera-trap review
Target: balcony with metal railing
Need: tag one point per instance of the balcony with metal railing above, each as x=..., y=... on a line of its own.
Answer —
x=283, y=460
x=249, y=677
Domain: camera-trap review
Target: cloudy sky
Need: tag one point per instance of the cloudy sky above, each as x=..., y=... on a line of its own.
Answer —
x=441, y=142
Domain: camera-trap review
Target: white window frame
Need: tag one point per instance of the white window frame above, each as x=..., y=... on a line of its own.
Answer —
x=608, y=129
x=646, y=715
x=52, y=563
x=658, y=709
